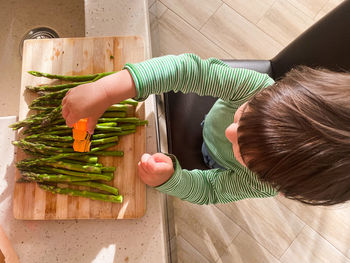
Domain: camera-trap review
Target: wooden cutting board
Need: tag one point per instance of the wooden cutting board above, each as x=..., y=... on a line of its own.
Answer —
x=78, y=56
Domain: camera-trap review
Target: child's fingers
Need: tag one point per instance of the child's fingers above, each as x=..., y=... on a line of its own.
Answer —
x=70, y=120
x=69, y=91
x=65, y=112
x=91, y=124
x=64, y=101
x=142, y=173
x=161, y=157
x=156, y=167
x=155, y=164
x=144, y=159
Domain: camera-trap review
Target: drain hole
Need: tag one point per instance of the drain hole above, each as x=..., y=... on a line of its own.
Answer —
x=38, y=33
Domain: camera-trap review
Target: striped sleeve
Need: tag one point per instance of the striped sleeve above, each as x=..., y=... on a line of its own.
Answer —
x=189, y=73
x=214, y=186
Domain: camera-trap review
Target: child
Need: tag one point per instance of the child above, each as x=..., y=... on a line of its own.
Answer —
x=292, y=136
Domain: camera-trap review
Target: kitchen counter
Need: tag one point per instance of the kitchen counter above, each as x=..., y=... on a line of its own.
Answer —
x=137, y=240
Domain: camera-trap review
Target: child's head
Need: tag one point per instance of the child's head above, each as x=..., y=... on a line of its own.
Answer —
x=296, y=136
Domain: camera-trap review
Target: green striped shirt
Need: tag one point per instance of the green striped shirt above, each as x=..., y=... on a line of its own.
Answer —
x=233, y=86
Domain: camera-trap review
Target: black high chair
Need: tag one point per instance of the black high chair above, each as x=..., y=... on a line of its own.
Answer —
x=326, y=44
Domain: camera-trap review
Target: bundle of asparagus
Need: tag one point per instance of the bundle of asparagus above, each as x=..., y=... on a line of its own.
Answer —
x=53, y=164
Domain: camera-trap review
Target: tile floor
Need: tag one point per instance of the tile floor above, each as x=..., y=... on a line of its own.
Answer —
x=257, y=230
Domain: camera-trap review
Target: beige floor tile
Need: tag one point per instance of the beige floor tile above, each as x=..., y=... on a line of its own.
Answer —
x=309, y=246
x=187, y=253
x=329, y=6
x=309, y=7
x=151, y=2
x=154, y=35
x=284, y=22
x=177, y=37
x=245, y=249
x=267, y=221
x=253, y=10
x=238, y=36
x=194, y=12
x=171, y=217
x=158, y=9
x=206, y=228
x=332, y=223
x=173, y=250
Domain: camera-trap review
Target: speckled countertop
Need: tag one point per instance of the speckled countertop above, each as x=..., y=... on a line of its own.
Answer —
x=138, y=240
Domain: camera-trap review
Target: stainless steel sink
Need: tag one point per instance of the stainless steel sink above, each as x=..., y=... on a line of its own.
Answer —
x=20, y=17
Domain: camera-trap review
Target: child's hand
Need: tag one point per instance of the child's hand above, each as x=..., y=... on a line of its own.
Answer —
x=155, y=169
x=87, y=100
x=91, y=100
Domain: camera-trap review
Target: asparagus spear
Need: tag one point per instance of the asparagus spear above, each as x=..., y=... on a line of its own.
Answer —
x=53, y=177
x=70, y=78
x=70, y=156
x=68, y=85
x=117, y=107
x=51, y=95
x=55, y=144
x=56, y=87
x=112, y=139
x=59, y=120
x=31, y=120
x=103, y=187
x=104, y=140
x=102, y=147
x=42, y=108
x=60, y=164
x=113, y=114
x=105, y=176
x=118, y=120
x=41, y=148
x=40, y=129
x=127, y=127
x=50, y=138
x=108, y=169
x=53, y=115
x=59, y=127
x=61, y=132
x=108, y=124
x=104, y=134
x=110, y=153
x=84, y=158
x=129, y=101
x=100, y=165
x=87, y=194
x=99, y=151
x=107, y=129
x=42, y=103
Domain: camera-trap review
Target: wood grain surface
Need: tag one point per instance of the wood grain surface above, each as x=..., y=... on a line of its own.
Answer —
x=77, y=56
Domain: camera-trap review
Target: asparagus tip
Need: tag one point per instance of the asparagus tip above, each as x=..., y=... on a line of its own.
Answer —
x=15, y=143
x=34, y=73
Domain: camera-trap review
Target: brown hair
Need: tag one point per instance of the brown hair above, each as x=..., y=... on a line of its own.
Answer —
x=295, y=135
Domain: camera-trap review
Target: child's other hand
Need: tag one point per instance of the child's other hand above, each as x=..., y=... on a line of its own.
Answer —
x=87, y=100
x=155, y=169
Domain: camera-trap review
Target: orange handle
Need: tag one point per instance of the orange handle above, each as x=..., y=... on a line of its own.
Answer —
x=81, y=137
